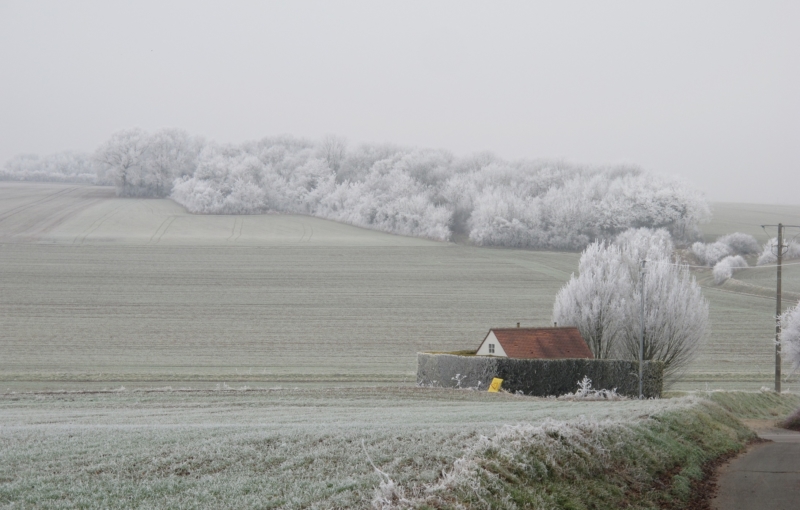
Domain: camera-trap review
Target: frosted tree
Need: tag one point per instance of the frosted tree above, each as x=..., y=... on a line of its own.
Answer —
x=391, y=198
x=790, y=334
x=120, y=159
x=559, y=206
x=676, y=313
x=227, y=180
x=168, y=154
x=594, y=300
x=644, y=243
x=676, y=317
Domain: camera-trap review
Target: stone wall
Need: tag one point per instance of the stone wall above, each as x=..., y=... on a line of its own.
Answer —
x=539, y=377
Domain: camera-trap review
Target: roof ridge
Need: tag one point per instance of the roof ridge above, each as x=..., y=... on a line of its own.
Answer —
x=544, y=343
x=535, y=327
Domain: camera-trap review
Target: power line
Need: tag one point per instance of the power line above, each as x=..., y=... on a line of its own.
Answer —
x=738, y=268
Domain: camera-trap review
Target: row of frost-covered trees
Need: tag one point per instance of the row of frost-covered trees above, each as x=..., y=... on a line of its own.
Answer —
x=65, y=166
x=418, y=192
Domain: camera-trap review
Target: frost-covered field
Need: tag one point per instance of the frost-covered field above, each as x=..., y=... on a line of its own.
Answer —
x=285, y=448
x=105, y=292
x=99, y=288
x=747, y=218
x=78, y=215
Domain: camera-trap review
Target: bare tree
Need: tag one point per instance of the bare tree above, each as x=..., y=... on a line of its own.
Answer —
x=333, y=149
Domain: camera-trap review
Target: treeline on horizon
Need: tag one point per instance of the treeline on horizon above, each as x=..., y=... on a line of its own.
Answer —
x=410, y=191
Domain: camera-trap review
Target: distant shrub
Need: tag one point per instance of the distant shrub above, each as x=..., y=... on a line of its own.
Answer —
x=59, y=167
x=790, y=334
x=725, y=268
x=740, y=244
x=711, y=253
x=769, y=254
x=727, y=245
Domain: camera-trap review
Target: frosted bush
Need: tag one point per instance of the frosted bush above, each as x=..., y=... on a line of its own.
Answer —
x=710, y=254
x=790, y=334
x=740, y=244
x=770, y=251
x=731, y=244
x=725, y=268
x=586, y=392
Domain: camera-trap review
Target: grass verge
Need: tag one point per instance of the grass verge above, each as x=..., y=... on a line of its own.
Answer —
x=649, y=461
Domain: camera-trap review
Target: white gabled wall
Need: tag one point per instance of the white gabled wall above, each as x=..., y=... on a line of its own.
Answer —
x=483, y=350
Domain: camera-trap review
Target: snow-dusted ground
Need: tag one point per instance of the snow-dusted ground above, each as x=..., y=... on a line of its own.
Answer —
x=258, y=448
x=100, y=288
x=729, y=217
x=93, y=215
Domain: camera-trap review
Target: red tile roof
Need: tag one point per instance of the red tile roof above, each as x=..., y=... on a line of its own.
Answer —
x=542, y=343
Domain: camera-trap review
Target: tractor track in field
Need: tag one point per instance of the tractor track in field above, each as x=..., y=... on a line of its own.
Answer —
x=81, y=238
x=162, y=229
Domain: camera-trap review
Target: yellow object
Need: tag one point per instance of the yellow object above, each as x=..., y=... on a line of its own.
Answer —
x=495, y=386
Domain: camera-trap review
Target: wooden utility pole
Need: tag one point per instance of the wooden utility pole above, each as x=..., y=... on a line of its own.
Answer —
x=778, y=308
x=641, y=337
x=778, y=312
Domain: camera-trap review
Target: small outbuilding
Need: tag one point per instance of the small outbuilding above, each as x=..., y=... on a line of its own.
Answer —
x=535, y=343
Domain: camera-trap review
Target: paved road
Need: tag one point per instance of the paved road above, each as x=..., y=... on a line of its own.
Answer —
x=767, y=477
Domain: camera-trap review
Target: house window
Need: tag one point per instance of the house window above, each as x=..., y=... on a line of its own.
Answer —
x=491, y=348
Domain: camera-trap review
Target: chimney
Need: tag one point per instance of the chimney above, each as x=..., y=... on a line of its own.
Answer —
x=518, y=324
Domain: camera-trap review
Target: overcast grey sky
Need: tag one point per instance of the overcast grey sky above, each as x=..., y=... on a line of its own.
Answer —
x=706, y=90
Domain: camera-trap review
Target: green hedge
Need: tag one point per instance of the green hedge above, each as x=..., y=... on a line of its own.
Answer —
x=540, y=377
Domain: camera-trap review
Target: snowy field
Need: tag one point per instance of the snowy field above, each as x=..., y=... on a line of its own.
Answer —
x=79, y=215
x=747, y=218
x=137, y=291
x=287, y=448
